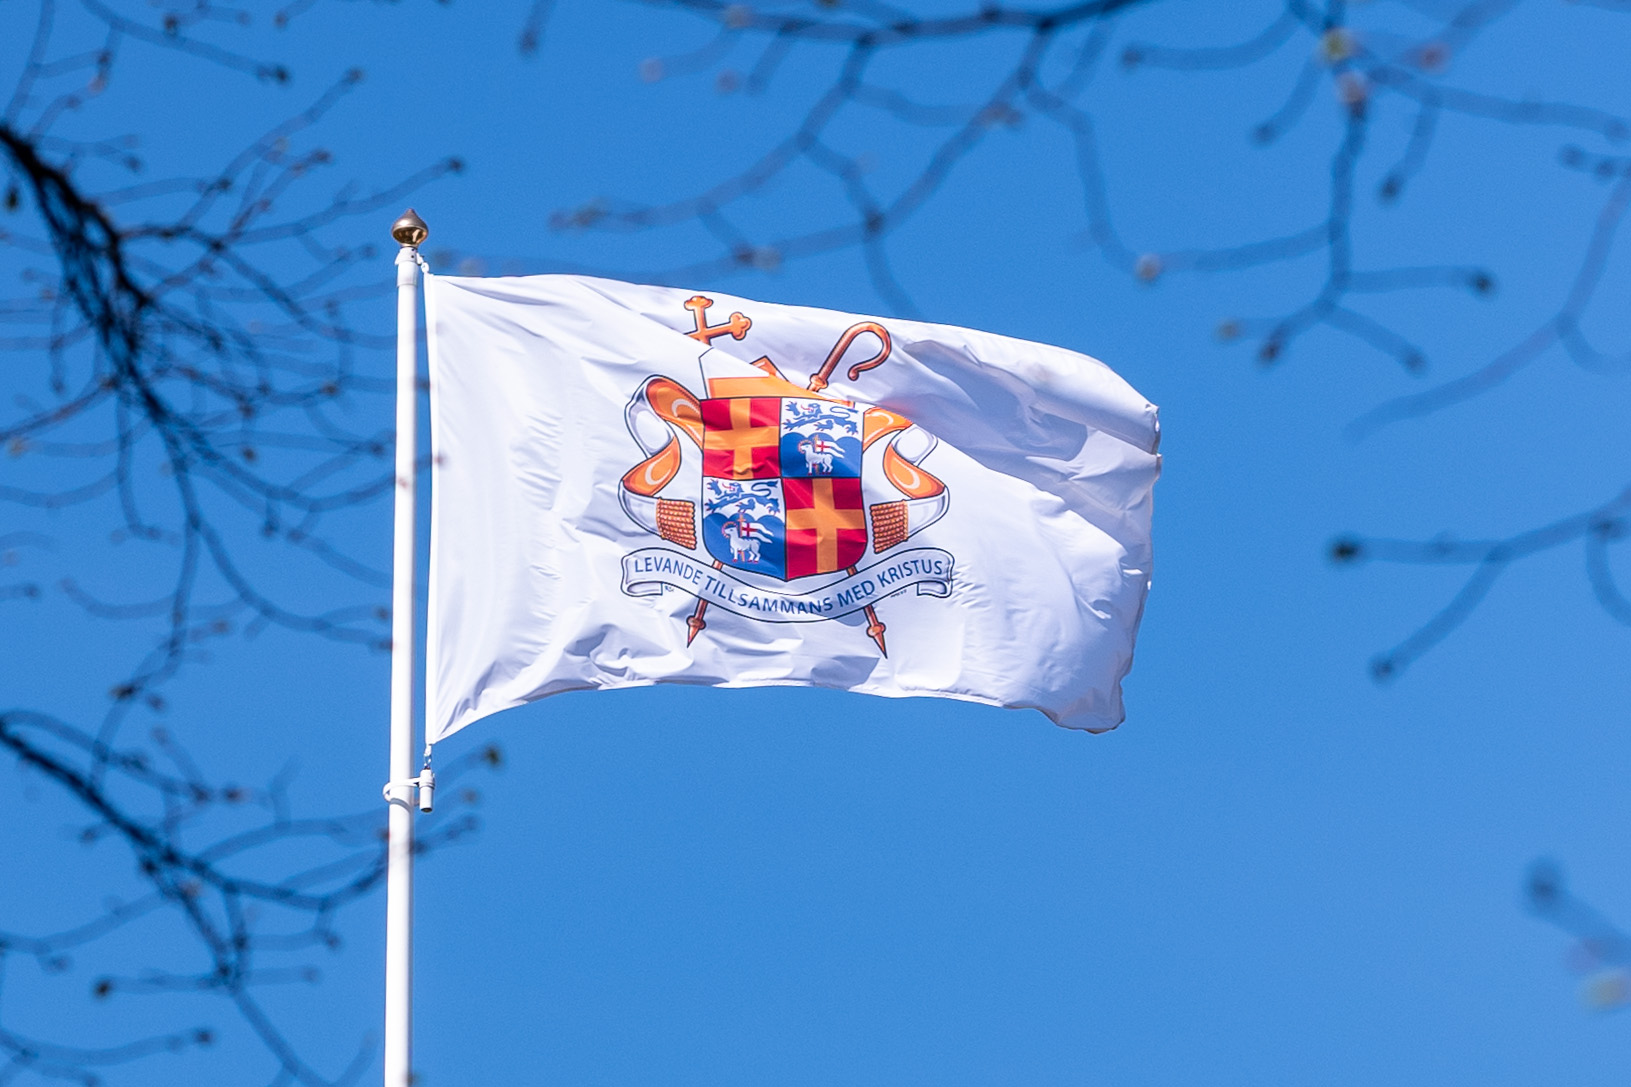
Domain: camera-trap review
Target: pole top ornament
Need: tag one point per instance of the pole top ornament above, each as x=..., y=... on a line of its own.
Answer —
x=410, y=229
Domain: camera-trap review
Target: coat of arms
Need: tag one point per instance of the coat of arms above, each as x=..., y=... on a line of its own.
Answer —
x=798, y=500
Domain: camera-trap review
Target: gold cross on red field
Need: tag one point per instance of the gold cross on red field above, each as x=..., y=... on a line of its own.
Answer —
x=828, y=520
x=741, y=438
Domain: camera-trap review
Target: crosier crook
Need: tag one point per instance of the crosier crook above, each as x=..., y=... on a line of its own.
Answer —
x=819, y=379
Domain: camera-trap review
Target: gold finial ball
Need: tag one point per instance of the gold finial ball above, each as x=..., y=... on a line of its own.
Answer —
x=410, y=229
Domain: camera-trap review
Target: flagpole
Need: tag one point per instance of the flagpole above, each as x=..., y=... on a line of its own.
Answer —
x=409, y=231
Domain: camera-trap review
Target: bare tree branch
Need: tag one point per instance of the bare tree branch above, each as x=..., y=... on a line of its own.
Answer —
x=1047, y=67
x=187, y=366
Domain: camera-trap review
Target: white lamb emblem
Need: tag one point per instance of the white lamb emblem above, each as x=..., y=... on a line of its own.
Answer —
x=743, y=536
x=818, y=453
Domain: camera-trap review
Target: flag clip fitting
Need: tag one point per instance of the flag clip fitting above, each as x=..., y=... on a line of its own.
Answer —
x=425, y=783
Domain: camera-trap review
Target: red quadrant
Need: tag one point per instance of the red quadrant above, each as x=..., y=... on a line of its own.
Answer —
x=826, y=525
x=742, y=438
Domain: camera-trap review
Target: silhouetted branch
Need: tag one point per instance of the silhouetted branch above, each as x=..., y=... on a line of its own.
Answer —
x=1595, y=529
x=1045, y=65
x=185, y=362
x=1602, y=950
x=240, y=919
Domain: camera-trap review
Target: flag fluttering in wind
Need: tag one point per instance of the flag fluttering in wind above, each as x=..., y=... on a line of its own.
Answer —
x=639, y=485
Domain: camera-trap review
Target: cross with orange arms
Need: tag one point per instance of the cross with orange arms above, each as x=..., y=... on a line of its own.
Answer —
x=741, y=438
x=736, y=327
x=826, y=521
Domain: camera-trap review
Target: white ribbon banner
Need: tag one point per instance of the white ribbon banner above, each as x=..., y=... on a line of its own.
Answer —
x=651, y=570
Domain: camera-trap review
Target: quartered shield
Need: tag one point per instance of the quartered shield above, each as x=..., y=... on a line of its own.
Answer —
x=781, y=488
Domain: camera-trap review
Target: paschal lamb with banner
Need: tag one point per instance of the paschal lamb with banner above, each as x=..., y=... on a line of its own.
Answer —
x=639, y=485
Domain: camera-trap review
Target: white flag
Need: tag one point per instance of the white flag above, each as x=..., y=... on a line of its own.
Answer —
x=638, y=485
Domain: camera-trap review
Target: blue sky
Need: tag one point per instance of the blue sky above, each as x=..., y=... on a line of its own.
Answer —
x=1277, y=871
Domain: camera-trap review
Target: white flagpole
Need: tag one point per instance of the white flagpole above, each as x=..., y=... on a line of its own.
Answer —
x=409, y=231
